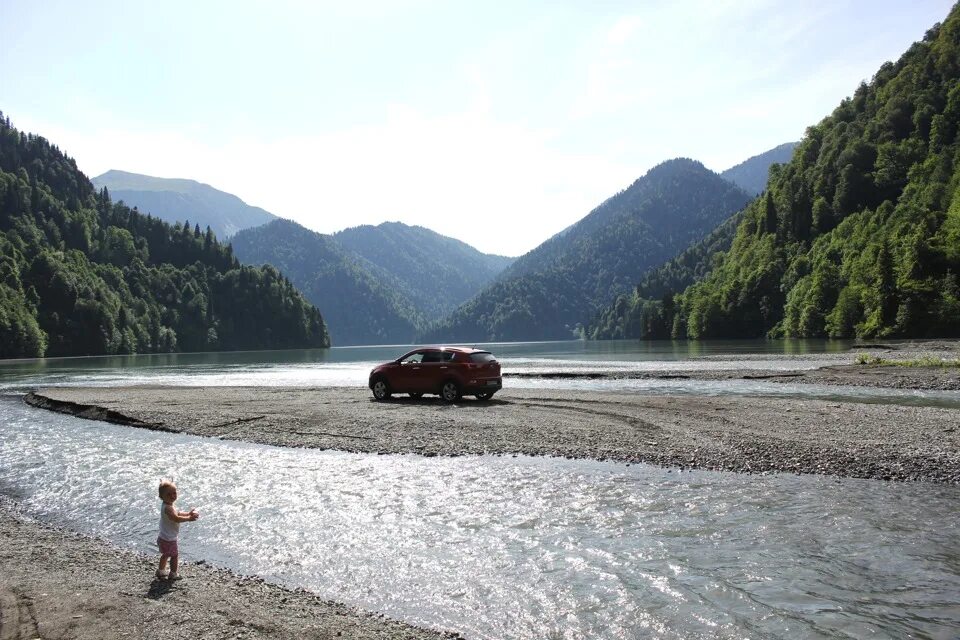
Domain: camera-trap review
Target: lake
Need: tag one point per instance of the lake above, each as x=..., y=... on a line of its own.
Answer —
x=350, y=367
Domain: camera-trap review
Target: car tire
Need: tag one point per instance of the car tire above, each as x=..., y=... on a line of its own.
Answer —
x=416, y=396
x=485, y=395
x=450, y=391
x=381, y=389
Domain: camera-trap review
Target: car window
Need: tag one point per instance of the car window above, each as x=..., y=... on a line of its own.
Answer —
x=449, y=356
x=431, y=356
x=413, y=358
x=481, y=358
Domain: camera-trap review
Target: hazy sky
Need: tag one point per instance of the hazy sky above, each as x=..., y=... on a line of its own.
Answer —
x=496, y=123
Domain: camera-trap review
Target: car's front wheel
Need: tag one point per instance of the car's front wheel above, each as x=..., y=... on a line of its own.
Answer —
x=381, y=390
x=450, y=391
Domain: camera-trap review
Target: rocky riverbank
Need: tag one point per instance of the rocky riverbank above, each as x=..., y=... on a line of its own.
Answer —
x=730, y=433
x=58, y=584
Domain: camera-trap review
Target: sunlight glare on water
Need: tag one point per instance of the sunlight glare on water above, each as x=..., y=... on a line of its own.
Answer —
x=516, y=547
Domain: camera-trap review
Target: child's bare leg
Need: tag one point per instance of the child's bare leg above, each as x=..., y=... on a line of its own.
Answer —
x=174, y=563
x=163, y=565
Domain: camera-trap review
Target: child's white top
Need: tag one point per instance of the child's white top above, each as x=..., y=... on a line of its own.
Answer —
x=169, y=529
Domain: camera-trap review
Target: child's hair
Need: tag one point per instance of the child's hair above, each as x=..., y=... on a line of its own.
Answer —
x=165, y=485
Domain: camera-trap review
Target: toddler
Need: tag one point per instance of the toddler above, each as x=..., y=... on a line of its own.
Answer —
x=170, y=520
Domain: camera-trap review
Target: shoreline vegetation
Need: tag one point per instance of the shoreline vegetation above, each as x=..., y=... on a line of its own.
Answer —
x=877, y=361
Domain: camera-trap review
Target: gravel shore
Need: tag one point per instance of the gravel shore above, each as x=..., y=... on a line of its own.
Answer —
x=877, y=377
x=840, y=370
x=58, y=584
x=731, y=433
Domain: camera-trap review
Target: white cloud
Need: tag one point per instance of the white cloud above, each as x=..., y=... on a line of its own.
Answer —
x=612, y=74
x=624, y=29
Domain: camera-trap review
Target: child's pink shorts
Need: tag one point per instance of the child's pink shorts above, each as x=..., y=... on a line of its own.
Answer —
x=168, y=547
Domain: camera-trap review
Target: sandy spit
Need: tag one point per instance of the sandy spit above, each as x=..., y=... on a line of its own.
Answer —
x=752, y=435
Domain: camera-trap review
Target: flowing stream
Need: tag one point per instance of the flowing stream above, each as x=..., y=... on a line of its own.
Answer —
x=516, y=547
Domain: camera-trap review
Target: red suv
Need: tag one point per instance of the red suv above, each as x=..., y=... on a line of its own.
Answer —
x=450, y=372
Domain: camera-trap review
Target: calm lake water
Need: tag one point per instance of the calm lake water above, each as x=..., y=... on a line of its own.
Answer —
x=350, y=366
x=509, y=547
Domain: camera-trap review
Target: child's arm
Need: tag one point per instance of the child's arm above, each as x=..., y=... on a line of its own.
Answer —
x=180, y=516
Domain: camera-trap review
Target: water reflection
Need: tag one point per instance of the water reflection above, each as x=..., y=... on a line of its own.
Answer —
x=559, y=350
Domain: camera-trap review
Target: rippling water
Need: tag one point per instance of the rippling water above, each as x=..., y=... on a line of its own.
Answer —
x=517, y=547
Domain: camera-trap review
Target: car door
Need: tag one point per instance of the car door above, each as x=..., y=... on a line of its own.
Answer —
x=408, y=377
x=432, y=371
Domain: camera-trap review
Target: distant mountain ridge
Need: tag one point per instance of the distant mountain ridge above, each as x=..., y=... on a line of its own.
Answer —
x=751, y=174
x=375, y=285
x=552, y=291
x=358, y=306
x=435, y=272
x=178, y=199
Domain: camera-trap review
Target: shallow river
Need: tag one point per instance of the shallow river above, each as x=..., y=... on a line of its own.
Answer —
x=516, y=547
x=510, y=547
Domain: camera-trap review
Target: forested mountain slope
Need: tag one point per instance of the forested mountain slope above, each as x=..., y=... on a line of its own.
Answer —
x=751, y=174
x=360, y=307
x=553, y=290
x=859, y=235
x=643, y=311
x=80, y=275
x=434, y=272
x=175, y=200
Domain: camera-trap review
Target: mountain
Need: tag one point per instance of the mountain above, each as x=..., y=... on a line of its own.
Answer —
x=647, y=310
x=858, y=235
x=360, y=307
x=376, y=285
x=81, y=275
x=434, y=272
x=751, y=174
x=177, y=200
x=552, y=291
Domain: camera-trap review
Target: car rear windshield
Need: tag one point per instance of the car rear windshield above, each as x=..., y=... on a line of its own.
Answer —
x=482, y=358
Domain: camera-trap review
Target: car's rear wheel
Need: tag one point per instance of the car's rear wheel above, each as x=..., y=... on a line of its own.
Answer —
x=484, y=395
x=381, y=390
x=450, y=391
x=416, y=396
